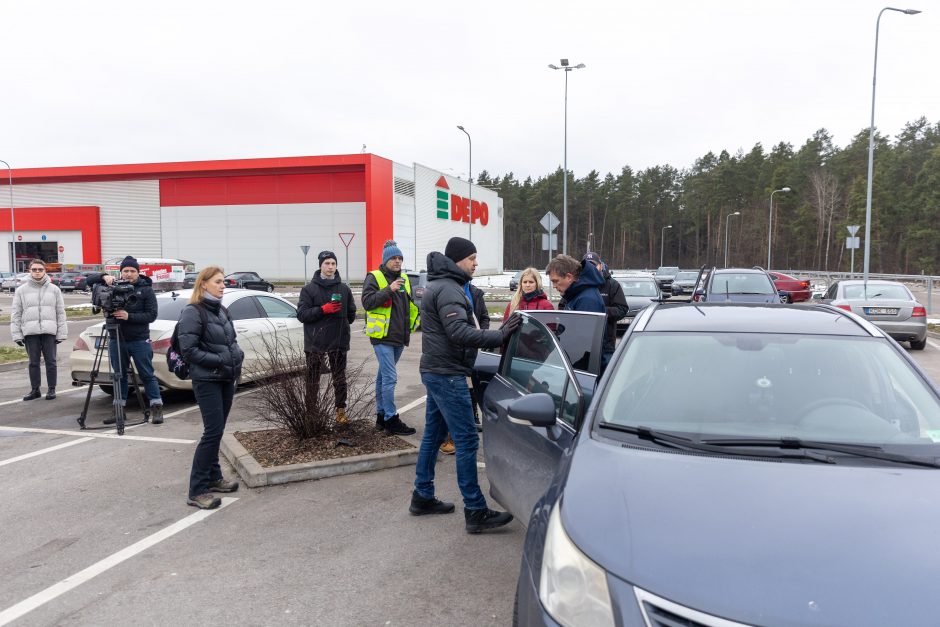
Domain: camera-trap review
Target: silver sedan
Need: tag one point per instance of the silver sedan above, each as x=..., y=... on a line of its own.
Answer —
x=888, y=305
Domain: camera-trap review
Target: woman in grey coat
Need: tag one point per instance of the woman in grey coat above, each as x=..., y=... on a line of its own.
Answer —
x=38, y=323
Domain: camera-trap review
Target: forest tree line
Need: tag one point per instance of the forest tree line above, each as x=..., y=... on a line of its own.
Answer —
x=622, y=215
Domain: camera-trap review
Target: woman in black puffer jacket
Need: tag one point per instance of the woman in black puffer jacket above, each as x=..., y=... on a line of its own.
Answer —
x=215, y=363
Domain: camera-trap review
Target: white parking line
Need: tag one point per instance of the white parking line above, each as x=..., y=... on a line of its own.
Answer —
x=113, y=436
x=44, y=451
x=412, y=405
x=69, y=391
x=41, y=598
x=934, y=344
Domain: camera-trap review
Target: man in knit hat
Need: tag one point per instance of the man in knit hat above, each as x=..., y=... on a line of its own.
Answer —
x=391, y=316
x=134, y=323
x=451, y=337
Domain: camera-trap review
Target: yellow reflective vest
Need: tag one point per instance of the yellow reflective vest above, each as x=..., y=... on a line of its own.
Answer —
x=377, y=319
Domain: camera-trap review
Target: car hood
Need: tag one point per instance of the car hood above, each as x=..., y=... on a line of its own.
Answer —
x=635, y=303
x=760, y=542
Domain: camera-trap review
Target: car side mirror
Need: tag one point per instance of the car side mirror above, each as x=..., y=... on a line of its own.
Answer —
x=533, y=410
x=817, y=296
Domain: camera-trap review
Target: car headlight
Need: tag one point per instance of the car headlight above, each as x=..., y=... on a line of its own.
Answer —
x=573, y=589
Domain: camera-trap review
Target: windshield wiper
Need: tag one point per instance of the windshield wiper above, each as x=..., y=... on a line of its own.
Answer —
x=872, y=451
x=672, y=440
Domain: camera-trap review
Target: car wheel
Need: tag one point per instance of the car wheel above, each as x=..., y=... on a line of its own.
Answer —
x=107, y=389
x=919, y=345
x=270, y=288
x=788, y=300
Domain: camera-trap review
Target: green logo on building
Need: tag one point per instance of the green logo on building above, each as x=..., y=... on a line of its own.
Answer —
x=443, y=199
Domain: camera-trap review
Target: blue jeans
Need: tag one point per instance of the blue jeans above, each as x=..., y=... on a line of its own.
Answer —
x=215, y=401
x=449, y=409
x=386, y=379
x=143, y=361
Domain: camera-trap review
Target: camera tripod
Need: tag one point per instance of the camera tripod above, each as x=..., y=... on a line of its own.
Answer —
x=111, y=332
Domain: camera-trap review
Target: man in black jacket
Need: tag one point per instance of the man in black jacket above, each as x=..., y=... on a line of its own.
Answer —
x=448, y=351
x=615, y=304
x=327, y=309
x=390, y=317
x=134, y=324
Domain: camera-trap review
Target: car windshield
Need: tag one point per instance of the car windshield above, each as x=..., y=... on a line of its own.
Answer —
x=742, y=283
x=638, y=288
x=834, y=389
x=887, y=292
x=170, y=308
x=686, y=276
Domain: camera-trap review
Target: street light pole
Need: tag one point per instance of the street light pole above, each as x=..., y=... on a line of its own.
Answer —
x=12, y=221
x=564, y=213
x=770, y=224
x=470, y=178
x=662, y=243
x=727, y=217
x=871, y=144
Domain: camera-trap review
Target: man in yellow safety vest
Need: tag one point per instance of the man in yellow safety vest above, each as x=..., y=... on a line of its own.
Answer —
x=391, y=316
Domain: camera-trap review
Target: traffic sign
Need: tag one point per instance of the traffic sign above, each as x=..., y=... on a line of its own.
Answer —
x=344, y=236
x=549, y=222
x=551, y=244
x=305, y=248
x=852, y=242
x=43, y=237
x=853, y=230
x=61, y=249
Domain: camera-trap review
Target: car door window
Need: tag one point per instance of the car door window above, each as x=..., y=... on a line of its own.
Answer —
x=831, y=292
x=244, y=309
x=276, y=308
x=534, y=363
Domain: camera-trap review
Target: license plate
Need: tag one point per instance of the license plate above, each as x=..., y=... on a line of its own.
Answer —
x=881, y=311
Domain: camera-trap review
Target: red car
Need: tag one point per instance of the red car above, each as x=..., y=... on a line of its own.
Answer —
x=797, y=290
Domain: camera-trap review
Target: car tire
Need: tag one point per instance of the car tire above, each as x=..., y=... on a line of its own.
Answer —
x=788, y=300
x=270, y=288
x=918, y=345
x=107, y=389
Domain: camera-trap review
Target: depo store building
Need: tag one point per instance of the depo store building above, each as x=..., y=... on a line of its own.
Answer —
x=248, y=214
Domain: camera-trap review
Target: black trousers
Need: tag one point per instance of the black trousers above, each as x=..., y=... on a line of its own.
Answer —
x=315, y=368
x=215, y=400
x=44, y=345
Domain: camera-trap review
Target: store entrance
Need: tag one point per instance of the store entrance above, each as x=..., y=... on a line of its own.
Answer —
x=26, y=251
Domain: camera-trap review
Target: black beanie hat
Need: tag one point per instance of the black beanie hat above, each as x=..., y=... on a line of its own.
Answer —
x=130, y=262
x=326, y=254
x=458, y=249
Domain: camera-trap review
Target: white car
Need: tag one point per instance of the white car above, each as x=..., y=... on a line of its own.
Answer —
x=262, y=322
x=12, y=282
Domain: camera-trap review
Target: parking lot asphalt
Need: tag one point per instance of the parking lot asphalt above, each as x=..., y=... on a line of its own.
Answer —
x=96, y=529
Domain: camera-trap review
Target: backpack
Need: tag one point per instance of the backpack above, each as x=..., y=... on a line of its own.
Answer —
x=174, y=357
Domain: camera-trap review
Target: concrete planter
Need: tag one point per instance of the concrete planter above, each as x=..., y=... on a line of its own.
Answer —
x=254, y=475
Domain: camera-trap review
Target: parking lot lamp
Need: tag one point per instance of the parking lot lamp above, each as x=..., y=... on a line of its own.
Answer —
x=662, y=242
x=770, y=224
x=564, y=211
x=470, y=179
x=12, y=222
x=727, y=217
x=871, y=144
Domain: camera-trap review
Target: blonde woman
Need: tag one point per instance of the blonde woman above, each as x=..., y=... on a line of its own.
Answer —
x=529, y=295
x=207, y=342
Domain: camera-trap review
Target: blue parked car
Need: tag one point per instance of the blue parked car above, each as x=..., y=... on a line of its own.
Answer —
x=795, y=483
x=739, y=285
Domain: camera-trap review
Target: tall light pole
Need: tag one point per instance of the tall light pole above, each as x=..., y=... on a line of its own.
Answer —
x=662, y=243
x=871, y=143
x=727, y=217
x=12, y=222
x=770, y=224
x=470, y=179
x=564, y=212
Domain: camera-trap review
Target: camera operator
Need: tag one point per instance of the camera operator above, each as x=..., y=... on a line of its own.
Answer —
x=134, y=324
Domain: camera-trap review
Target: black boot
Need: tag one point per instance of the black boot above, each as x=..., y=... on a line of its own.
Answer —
x=156, y=414
x=50, y=394
x=394, y=426
x=33, y=395
x=379, y=422
x=482, y=519
x=421, y=506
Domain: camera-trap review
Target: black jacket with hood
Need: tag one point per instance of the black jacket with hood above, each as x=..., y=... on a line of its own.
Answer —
x=140, y=314
x=399, y=331
x=210, y=350
x=325, y=333
x=450, y=340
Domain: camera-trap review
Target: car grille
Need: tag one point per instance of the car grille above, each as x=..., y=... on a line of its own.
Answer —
x=659, y=612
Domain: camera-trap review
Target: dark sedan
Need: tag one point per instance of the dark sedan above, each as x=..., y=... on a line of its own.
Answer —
x=762, y=496
x=189, y=280
x=739, y=285
x=640, y=291
x=72, y=282
x=248, y=281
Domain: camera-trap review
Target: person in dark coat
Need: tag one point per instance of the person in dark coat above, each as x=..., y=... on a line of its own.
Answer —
x=208, y=345
x=327, y=309
x=448, y=351
x=615, y=303
x=579, y=285
x=134, y=322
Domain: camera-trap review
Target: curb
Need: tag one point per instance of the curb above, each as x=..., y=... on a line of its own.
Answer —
x=14, y=365
x=255, y=476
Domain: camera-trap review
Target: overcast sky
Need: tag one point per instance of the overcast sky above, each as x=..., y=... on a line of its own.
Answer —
x=100, y=82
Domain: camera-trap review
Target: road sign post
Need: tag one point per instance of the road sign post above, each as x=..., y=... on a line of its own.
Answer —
x=549, y=222
x=305, y=249
x=347, y=239
x=852, y=243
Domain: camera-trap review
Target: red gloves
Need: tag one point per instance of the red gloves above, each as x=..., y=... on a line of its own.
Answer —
x=331, y=307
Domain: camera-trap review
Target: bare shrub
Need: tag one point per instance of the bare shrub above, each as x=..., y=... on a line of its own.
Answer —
x=287, y=396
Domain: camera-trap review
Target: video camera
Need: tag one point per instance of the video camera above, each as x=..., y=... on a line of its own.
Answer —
x=111, y=298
